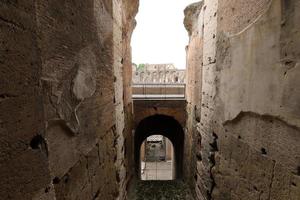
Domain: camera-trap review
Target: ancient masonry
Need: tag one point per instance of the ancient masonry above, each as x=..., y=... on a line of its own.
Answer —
x=243, y=99
x=65, y=101
x=158, y=73
x=69, y=129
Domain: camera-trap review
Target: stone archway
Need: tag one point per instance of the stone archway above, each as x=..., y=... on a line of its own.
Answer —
x=162, y=125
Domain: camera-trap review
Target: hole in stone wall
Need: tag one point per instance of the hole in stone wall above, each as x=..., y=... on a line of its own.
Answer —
x=263, y=151
x=199, y=140
x=212, y=159
x=37, y=142
x=199, y=157
x=298, y=170
x=125, y=146
x=208, y=194
x=47, y=189
x=118, y=177
x=97, y=194
x=214, y=145
x=56, y=180
x=66, y=178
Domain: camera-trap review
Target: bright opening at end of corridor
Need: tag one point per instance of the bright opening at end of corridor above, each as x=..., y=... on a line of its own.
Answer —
x=160, y=36
x=157, y=159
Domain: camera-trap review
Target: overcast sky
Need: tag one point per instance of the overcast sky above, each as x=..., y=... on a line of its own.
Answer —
x=160, y=36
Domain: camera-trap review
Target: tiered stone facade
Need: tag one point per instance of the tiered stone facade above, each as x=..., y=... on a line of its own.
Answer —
x=158, y=73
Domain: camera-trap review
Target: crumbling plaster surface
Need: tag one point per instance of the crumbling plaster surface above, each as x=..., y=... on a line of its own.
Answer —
x=263, y=82
x=249, y=124
x=258, y=100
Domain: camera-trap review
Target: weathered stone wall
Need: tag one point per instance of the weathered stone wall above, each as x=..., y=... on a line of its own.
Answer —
x=23, y=156
x=249, y=121
x=62, y=99
x=193, y=23
x=126, y=11
x=259, y=100
x=158, y=73
x=205, y=161
x=130, y=9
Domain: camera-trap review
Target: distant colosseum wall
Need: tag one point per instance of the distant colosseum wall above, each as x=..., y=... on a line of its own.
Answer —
x=158, y=73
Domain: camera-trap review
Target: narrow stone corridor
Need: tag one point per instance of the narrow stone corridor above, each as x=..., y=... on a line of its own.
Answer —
x=72, y=119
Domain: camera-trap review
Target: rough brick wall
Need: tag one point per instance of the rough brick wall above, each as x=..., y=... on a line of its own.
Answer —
x=62, y=99
x=173, y=108
x=23, y=167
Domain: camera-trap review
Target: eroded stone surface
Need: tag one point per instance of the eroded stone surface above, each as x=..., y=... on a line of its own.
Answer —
x=62, y=118
x=249, y=135
x=66, y=110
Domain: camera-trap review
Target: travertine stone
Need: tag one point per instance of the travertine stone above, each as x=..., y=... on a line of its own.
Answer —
x=63, y=116
x=249, y=122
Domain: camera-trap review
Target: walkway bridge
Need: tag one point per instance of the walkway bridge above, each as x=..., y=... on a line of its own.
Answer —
x=158, y=91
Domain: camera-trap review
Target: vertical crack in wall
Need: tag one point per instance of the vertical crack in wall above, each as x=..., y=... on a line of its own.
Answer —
x=272, y=179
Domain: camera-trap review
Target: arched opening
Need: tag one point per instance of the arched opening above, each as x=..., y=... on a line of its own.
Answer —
x=157, y=158
x=167, y=127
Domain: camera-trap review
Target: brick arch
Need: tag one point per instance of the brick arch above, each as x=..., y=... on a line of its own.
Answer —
x=174, y=108
x=160, y=125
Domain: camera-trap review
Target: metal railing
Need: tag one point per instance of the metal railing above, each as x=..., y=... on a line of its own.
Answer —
x=158, y=90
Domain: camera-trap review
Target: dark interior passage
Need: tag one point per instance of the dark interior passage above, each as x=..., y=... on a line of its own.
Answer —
x=166, y=126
